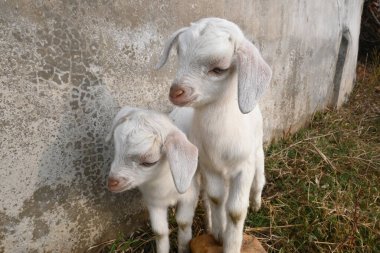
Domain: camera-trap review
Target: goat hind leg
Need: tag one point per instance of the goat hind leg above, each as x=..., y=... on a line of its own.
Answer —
x=258, y=181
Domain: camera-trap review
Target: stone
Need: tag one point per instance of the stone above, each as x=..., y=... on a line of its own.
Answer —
x=207, y=244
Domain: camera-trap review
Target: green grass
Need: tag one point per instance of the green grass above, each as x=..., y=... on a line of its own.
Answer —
x=323, y=190
x=323, y=184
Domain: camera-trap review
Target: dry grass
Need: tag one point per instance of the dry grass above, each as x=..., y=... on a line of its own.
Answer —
x=143, y=239
x=323, y=189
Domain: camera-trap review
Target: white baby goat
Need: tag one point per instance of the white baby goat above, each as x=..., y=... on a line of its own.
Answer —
x=222, y=75
x=151, y=153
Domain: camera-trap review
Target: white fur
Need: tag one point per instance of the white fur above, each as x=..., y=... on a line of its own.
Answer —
x=147, y=136
x=221, y=75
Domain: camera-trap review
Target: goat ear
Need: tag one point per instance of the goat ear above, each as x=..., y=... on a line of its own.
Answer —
x=183, y=159
x=168, y=46
x=254, y=75
x=120, y=117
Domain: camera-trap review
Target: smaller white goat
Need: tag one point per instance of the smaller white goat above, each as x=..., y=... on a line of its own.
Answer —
x=221, y=74
x=151, y=153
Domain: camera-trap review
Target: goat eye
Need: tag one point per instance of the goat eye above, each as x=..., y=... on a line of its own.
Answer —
x=147, y=164
x=218, y=71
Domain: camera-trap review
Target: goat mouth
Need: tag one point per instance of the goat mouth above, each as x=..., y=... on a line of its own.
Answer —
x=183, y=102
x=121, y=188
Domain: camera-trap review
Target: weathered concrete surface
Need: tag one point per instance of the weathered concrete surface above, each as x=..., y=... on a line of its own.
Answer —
x=66, y=66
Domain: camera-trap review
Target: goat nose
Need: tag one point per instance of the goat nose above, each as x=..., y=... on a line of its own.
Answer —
x=176, y=92
x=113, y=182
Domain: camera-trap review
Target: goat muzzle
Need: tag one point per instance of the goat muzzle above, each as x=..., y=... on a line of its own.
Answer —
x=180, y=94
x=112, y=183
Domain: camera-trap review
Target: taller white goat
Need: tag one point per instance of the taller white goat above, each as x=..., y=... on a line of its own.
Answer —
x=221, y=74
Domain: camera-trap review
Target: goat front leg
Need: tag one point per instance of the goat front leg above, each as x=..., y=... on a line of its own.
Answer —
x=216, y=194
x=258, y=181
x=184, y=217
x=236, y=207
x=159, y=222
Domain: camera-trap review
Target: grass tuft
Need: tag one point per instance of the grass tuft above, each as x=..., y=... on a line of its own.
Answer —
x=323, y=190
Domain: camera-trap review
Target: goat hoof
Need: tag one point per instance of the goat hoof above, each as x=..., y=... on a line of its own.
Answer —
x=255, y=205
x=219, y=238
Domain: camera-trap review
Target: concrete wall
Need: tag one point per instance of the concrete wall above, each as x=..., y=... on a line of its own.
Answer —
x=67, y=66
